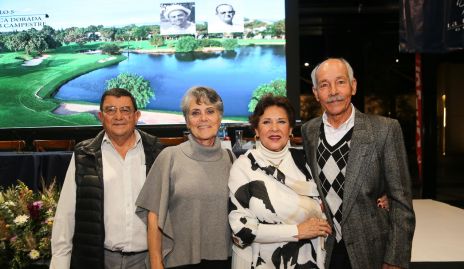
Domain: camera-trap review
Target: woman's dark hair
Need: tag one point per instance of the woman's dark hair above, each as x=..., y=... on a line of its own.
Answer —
x=117, y=92
x=271, y=100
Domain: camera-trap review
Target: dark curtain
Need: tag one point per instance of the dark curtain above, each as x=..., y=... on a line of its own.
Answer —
x=431, y=26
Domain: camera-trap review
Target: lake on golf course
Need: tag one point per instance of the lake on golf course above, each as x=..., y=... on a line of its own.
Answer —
x=234, y=75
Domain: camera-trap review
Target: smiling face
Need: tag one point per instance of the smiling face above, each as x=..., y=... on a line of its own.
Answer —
x=334, y=89
x=118, y=117
x=274, y=128
x=177, y=17
x=203, y=120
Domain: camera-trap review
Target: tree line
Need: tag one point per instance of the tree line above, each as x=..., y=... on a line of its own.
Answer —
x=35, y=42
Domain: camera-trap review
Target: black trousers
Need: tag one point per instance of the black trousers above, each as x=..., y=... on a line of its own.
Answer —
x=206, y=264
x=340, y=258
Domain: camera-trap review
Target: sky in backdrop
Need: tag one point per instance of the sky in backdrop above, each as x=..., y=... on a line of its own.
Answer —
x=82, y=13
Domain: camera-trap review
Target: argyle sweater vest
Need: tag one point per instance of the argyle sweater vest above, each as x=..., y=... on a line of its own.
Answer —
x=332, y=162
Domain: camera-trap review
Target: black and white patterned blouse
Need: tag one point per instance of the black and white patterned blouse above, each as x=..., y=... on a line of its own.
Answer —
x=266, y=205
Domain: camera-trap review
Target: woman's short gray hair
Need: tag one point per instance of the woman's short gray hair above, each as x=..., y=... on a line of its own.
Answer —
x=201, y=94
x=347, y=64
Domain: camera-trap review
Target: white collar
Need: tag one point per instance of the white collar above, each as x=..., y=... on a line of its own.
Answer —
x=346, y=125
x=107, y=140
x=272, y=155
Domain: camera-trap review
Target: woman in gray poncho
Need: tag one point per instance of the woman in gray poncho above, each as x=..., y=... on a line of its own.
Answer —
x=186, y=192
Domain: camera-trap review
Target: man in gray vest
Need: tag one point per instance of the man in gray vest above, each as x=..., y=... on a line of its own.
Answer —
x=96, y=225
x=355, y=158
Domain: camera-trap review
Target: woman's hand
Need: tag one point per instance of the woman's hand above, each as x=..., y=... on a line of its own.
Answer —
x=388, y=266
x=313, y=227
x=382, y=202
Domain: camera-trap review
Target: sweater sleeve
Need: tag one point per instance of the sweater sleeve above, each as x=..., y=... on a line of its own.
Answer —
x=246, y=227
x=155, y=194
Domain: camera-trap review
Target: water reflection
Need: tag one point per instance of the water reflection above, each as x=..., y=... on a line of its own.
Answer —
x=192, y=56
x=229, y=54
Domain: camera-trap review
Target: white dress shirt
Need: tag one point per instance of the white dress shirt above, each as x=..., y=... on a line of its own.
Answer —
x=123, y=179
x=332, y=134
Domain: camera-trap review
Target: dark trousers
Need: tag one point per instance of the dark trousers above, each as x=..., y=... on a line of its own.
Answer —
x=340, y=258
x=205, y=264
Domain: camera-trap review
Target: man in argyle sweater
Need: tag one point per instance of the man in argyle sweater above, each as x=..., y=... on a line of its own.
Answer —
x=355, y=158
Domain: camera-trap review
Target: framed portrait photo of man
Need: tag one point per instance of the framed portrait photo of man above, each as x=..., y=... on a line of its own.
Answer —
x=177, y=18
x=225, y=17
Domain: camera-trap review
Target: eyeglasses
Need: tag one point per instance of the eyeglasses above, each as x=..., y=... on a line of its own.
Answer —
x=227, y=12
x=111, y=110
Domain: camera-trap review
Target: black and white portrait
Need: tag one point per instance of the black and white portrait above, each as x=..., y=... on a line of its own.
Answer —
x=177, y=18
x=225, y=18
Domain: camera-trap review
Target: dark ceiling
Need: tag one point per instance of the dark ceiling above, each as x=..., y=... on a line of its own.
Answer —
x=319, y=16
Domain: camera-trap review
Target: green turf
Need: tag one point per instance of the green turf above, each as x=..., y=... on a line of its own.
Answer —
x=26, y=90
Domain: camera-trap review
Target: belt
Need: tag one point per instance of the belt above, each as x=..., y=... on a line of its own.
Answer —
x=126, y=253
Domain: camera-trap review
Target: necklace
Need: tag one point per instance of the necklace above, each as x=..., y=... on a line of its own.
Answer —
x=276, y=165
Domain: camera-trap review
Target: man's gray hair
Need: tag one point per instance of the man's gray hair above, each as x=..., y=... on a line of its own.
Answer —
x=201, y=94
x=347, y=64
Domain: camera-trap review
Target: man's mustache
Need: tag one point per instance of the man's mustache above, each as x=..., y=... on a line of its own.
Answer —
x=335, y=98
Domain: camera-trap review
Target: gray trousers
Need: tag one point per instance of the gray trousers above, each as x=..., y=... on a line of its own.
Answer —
x=115, y=260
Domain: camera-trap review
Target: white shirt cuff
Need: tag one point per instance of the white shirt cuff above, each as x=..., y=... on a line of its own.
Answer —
x=59, y=262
